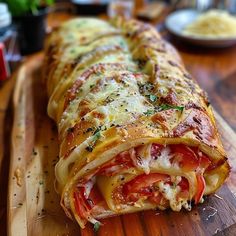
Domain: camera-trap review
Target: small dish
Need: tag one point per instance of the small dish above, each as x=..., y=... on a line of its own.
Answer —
x=177, y=21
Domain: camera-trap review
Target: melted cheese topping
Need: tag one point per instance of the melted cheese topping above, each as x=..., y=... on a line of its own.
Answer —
x=170, y=193
x=163, y=160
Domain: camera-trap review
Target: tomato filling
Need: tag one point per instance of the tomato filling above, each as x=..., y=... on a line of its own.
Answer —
x=84, y=204
x=120, y=163
x=145, y=186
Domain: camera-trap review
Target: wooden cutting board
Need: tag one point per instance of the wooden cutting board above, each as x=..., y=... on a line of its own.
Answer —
x=33, y=204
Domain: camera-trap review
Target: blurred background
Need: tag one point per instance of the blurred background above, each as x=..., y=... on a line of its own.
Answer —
x=24, y=23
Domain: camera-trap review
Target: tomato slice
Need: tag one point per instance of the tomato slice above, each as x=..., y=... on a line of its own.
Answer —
x=185, y=156
x=189, y=158
x=138, y=184
x=156, y=198
x=82, y=206
x=204, y=161
x=200, y=188
x=184, y=185
x=121, y=162
x=95, y=196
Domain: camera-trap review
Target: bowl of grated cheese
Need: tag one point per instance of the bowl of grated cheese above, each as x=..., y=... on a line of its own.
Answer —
x=213, y=28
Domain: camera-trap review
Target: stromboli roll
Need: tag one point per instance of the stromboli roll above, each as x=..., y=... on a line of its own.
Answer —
x=135, y=131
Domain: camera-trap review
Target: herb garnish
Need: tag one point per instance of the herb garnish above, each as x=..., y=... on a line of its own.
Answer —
x=146, y=89
x=152, y=98
x=122, y=44
x=167, y=107
x=96, y=136
x=163, y=107
x=96, y=227
x=149, y=112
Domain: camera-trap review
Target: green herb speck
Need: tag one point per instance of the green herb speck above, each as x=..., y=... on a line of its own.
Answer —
x=96, y=227
x=122, y=44
x=153, y=98
x=149, y=112
x=97, y=135
x=167, y=107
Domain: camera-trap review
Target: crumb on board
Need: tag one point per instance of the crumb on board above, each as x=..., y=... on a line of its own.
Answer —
x=18, y=174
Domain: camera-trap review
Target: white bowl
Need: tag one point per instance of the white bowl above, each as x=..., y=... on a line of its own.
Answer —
x=177, y=21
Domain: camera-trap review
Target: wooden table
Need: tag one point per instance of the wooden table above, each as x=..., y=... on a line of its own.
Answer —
x=214, y=69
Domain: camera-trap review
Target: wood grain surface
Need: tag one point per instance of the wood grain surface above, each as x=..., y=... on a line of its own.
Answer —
x=5, y=133
x=33, y=204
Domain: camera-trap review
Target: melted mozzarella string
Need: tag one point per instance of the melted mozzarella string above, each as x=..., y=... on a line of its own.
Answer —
x=143, y=160
x=142, y=157
x=171, y=194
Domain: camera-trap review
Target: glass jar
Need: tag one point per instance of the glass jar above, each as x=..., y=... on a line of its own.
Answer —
x=122, y=8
